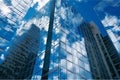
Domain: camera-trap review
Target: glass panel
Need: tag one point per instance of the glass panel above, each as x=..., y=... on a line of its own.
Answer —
x=63, y=74
x=69, y=57
x=63, y=54
x=68, y=48
x=70, y=75
x=62, y=45
x=81, y=64
x=87, y=67
x=63, y=63
x=69, y=66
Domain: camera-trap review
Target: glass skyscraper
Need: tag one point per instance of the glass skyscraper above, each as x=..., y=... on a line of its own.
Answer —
x=109, y=16
x=11, y=13
x=68, y=57
x=112, y=58
x=57, y=45
x=21, y=55
x=95, y=50
x=110, y=19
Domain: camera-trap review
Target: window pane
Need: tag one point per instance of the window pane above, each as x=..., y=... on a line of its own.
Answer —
x=69, y=66
x=69, y=57
x=70, y=75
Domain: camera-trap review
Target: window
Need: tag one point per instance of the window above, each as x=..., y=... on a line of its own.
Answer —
x=81, y=64
x=69, y=57
x=70, y=75
x=74, y=52
x=62, y=54
x=63, y=74
x=82, y=73
x=69, y=66
x=87, y=67
x=75, y=60
x=68, y=48
x=63, y=63
x=62, y=45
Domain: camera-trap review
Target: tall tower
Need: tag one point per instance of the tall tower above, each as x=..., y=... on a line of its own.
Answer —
x=19, y=63
x=113, y=58
x=95, y=50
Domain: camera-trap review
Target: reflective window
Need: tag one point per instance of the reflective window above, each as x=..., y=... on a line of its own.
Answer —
x=87, y=67
x=70, y=75
x=81, y=64
x=69, y=57
x=69, y=66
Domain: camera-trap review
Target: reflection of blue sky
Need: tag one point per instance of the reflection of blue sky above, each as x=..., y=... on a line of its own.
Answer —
x=67, y=21
x=65, y=13
x=21, y=19
x=109, y=14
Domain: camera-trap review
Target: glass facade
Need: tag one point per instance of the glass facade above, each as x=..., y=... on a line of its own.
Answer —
x=109, y=16
x=21, y=55
x=68, y=58
x=112, y=58
x=96, y=49
x=12, y=12
x=74, y=53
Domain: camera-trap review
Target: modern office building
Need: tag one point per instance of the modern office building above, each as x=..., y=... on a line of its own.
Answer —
x=113, y=58
x=95, y=49
x=12, y=12
x=21, y=55
x=110, y=19
x=71, y=53
x=67, y=57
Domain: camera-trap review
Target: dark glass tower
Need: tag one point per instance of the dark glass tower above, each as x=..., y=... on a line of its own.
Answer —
x=95, y=50
x=113, y=58
x=21, y=57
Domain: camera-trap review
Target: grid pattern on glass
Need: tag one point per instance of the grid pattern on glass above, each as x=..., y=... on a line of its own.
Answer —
x=71, y=60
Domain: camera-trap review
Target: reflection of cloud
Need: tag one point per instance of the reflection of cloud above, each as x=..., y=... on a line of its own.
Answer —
x=113, y=21
x=2, y=57
x=45, y=39
x=58, y=3
x=110, y=20
x=103, y=4
x=62, y=12
x=42, y=23
x=4, y=9
x=3, y=42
